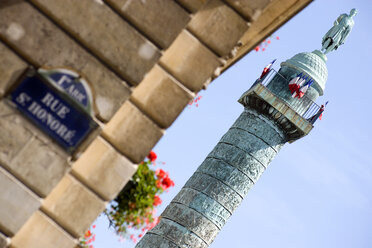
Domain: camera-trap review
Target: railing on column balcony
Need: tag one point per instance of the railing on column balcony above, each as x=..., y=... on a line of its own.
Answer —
x=307, y=112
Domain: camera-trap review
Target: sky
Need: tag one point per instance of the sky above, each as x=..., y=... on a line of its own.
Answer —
x=317, y=192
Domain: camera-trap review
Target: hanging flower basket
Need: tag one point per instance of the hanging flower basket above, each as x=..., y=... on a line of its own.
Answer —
x=134, y=206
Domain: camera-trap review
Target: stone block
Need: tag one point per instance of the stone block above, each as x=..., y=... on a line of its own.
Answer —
x=41, y=232
x=106, y=34
x=17, y=203
x=40, y=166
x=73, y=206
x=194, y=221
x=250, y=9
x=4, y=241
x=203, y=204
x=103, y=169
x=28, y=153
x=252, y=122
x=161, y=97
x=178, y=234
x=239, y=159
x=161, y=20
x=14, y=136
x=132, y=132
x=250, y=144
x=218, y=26
x=153, y=240
x=42, y=43
x=274, y=14
x=11, y=67
x=219, y=191
x=190, y=61
x=192, y=5
x=229, y=175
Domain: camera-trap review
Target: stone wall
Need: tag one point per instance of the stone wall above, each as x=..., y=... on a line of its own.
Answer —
x=144, y=61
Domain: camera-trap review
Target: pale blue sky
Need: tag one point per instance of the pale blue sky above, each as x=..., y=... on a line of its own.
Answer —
x=318, y=191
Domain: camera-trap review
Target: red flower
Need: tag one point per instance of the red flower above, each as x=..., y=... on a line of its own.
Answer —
x=161, y=174
x=152, y=156
x=257, y=48
x=87, y=234
x=163, y=182
x=167, y=182
x=159, y=184
x=138, y=220
x=157, y=201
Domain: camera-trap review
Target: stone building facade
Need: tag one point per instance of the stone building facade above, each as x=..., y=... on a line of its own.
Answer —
x=144, y=61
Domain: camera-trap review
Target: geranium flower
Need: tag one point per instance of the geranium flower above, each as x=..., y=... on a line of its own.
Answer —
x=167, y=182
x=138, y=220
x=157, y=201
x=152, y=156
x=87, y=234
x=161, y=174
x=159, y=184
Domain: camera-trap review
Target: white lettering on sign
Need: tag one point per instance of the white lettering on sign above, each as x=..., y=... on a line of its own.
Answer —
x=62, y=79
x=23, y=98
x=54, y=104
x=75, y=93
x=54, y=124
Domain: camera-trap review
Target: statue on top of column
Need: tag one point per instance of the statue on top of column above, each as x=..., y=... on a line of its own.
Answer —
x=336, y=36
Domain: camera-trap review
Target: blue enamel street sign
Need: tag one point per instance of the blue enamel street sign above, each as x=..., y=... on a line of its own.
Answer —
x=53, y=112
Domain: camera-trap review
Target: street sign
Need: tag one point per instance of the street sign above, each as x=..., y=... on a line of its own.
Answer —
x=60, y=115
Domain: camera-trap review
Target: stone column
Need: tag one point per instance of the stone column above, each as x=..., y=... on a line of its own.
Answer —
x=271, y=117
x=216, y=189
